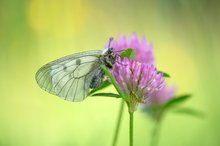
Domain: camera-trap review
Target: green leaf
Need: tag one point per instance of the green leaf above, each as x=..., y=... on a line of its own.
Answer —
x=177, y=100
x=105, y=84
x=130, y=53
x=189, y=111
x=114, y=82
x=152, y=109
x=164, y=74
x=107, y=95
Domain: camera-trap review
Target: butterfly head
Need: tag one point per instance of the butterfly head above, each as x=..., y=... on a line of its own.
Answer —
x=109, y=58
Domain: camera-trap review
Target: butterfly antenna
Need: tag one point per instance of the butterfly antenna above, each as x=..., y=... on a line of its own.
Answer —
x=110, y=41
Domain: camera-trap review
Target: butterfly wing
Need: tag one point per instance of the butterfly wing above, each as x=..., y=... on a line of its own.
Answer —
x=69, y=77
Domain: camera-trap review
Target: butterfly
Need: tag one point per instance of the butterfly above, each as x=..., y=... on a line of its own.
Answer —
x=71, y=77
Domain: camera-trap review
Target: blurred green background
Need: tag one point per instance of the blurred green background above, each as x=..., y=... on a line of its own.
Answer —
x=184, y=33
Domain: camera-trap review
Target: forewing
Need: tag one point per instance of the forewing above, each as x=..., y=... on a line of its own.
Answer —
x=69, y=77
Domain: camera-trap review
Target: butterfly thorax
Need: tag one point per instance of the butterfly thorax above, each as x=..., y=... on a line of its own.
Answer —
x=108, y=59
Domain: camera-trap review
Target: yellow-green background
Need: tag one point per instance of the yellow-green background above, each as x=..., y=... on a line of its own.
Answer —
x=184, y=33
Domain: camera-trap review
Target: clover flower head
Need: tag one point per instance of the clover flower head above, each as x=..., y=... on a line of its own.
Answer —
x=162, y=96
x=137, y=80
x=144, y=50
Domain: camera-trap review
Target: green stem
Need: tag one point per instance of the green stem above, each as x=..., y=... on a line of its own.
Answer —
x=131, y=128
x=155, y=134
x=118, y=124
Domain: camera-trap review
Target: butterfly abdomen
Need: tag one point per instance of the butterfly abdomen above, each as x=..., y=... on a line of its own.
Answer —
x=97, y=79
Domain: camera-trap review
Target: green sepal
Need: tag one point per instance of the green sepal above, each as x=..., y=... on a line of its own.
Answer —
x=166, y=75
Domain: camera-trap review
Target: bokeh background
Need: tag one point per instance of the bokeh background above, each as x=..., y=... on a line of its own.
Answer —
x=184, y=33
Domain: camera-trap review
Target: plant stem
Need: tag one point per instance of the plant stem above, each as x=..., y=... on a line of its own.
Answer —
x=120, y=114
x=155, y=134
x=131, y=113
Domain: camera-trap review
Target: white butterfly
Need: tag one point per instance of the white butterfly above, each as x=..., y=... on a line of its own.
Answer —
x=71, y=77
